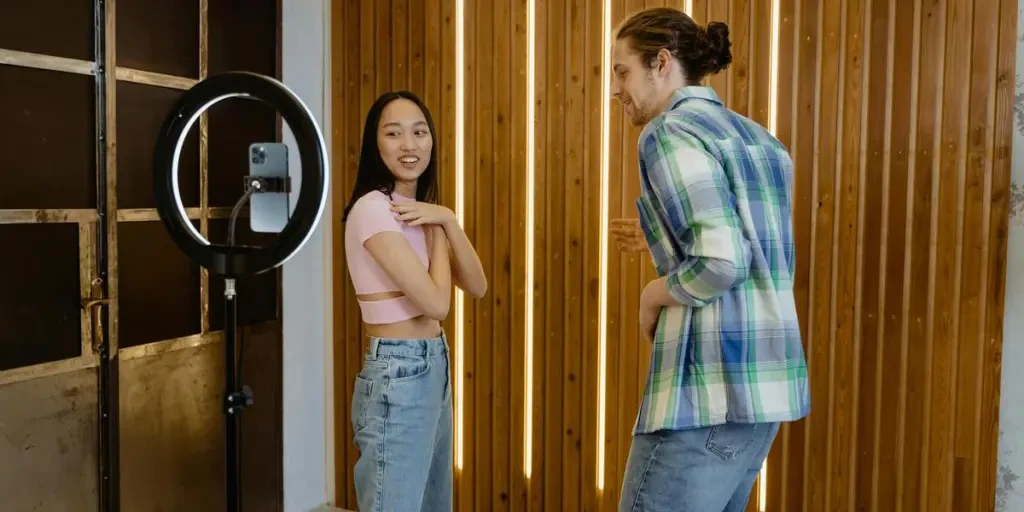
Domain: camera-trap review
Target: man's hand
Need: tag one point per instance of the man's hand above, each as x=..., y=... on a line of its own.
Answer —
x=627, y=235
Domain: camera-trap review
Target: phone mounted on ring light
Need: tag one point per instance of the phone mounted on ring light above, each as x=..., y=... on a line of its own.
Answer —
x=230, y=261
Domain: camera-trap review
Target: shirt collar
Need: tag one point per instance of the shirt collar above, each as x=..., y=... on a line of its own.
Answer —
x=692, y=91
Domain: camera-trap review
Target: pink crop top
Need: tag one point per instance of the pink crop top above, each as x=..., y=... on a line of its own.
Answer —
x=370, y=215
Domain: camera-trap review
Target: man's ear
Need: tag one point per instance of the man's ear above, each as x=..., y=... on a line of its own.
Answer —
x=664, y=61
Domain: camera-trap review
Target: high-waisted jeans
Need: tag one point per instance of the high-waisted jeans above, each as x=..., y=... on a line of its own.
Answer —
x=402, y=419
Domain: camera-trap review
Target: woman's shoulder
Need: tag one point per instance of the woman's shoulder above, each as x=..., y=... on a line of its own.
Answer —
x=370, y=203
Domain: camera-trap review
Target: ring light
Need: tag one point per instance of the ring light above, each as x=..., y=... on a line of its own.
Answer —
x=232, y=261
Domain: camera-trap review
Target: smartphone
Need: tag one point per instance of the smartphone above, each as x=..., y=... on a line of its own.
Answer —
x=268, y=211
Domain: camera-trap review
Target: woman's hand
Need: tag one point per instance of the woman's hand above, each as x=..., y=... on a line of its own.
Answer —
x=627, y=235
x=418, y=213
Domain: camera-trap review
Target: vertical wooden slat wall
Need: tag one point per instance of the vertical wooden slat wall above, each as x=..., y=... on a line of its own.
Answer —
x=898, y=116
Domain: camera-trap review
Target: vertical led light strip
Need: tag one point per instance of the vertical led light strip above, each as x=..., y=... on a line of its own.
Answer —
x=773, y=107
x=460, y=148
x=688, y=7
x=602, y=341
x=531, y=114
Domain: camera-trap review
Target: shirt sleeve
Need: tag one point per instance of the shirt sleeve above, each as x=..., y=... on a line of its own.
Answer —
x=372, y=215
x=695, y=201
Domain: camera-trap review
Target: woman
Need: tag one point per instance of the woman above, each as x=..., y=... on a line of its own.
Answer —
x=404, y=252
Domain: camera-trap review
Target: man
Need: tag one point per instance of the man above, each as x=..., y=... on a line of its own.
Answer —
x=727, y=361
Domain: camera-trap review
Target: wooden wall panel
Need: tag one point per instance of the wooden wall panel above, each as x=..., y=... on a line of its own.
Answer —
x=380, y=46
x=900, y=133
x=899, y=129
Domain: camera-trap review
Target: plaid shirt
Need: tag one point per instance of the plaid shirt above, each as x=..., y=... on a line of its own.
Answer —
x=714, y=206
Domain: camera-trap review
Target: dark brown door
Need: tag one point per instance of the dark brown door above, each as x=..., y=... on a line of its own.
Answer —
x=111, y=356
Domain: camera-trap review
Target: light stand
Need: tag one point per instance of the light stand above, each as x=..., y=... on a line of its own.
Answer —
x=232, y=261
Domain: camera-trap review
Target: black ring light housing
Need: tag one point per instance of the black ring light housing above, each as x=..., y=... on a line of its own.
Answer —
x=235, y=261
x=231, y=261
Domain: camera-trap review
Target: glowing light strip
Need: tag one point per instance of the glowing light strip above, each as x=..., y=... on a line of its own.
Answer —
x=531, y=114
x=460, y=147
x=688, y=7
x=773, y=102
x=602, y=351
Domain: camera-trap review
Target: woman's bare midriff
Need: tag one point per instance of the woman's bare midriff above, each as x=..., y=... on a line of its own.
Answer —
x=418, y=328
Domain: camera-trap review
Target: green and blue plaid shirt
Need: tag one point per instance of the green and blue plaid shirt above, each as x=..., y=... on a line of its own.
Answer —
x=716, y=192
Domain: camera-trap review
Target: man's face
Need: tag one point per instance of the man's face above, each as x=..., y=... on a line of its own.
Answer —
x=642, y=90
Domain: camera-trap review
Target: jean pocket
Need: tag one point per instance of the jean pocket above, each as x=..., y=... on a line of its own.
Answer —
x=407, y=368
x=730, y=440
x=360, y=402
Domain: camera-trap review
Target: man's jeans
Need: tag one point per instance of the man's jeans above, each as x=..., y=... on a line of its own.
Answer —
x=699, y=470
x=402, y=418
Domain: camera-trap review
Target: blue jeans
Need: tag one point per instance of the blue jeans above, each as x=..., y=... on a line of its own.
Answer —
x=709, y=469
x=402, y=419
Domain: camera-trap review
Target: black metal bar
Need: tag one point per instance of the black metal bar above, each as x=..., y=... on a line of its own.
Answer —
x=109, y=485
x=235, y=400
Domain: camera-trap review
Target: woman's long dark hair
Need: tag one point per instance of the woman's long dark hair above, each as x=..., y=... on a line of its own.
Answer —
x=373, y=174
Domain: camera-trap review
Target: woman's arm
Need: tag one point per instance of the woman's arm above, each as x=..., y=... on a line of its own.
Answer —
x=469, y=272
x=429, y=290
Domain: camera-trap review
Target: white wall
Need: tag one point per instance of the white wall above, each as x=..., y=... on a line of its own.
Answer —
x=308, y=386
x=1009, y=483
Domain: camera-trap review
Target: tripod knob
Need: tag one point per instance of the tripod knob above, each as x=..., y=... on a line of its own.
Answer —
x=235, y=402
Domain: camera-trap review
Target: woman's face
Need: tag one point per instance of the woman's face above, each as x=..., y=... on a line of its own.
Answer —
x=404, y=139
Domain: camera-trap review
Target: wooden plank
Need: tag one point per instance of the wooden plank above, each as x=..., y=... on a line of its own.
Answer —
x=803, y=148
x=821, y=356
x=594, y=226
x=502, y=233
x=385, y=69
x=718, y=10
x=48, y=369
x=616, y=435
x=929, y=100
x=782, y=468
x=759, y=91
x=204, y=164
x=874, y=210
x=451, y=104
x=974, y=234
x=113, y=275
x=847, y=257
x=155, y=79
x=902, y=127
x=417, y=44
x=480, y=219
x=37, y=61
x=553, y=463
x=543, y=145
x=399, y=44
x=151, y=215
x=469, y=492
x=998, y=187
x=739, y=72
x=946, y=253
x=519, y=117
x=48, y=216
x=572, y=345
